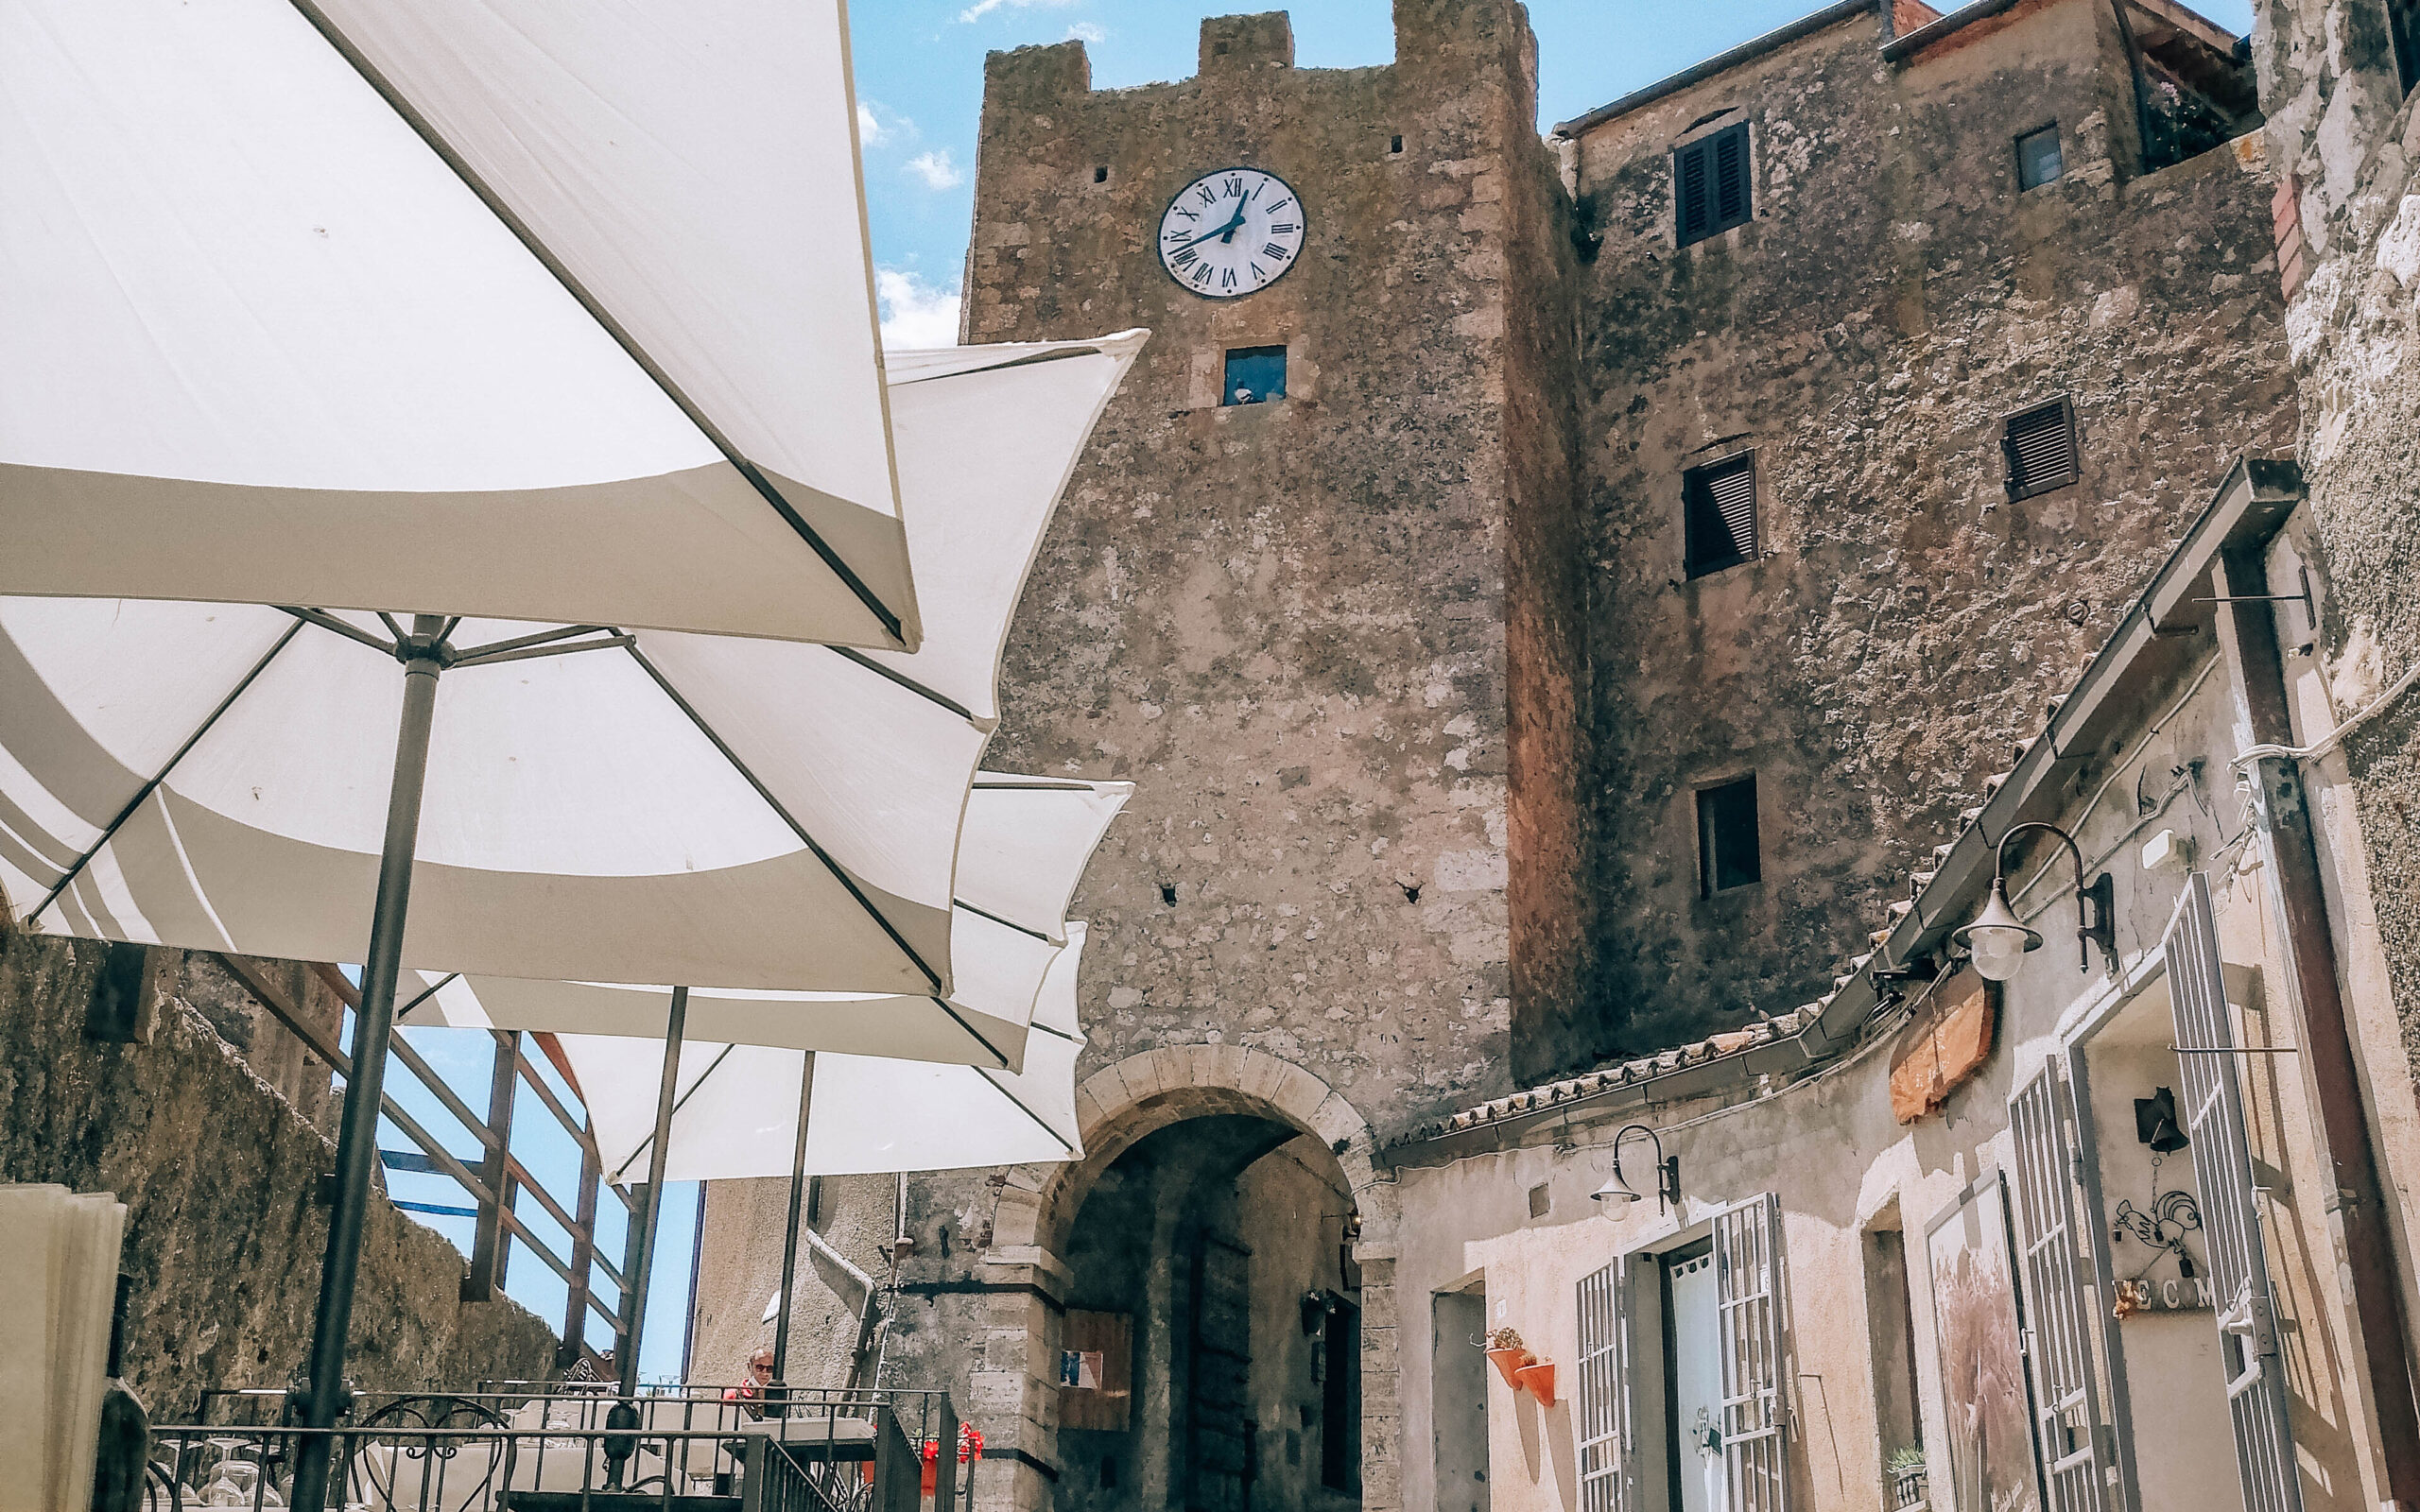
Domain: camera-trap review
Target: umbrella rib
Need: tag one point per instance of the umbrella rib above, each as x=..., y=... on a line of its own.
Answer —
x=975, y=1034
x=143, y=793
x=680, y=1103
x=329, y=622
x=1019, y=1104
x=1057, y=355
x=904, y=681
x=1058, y=1034
x=532, y=653
x=427, y=131
x=1005, y=923
x=561, y=632
x=838, y=872
x=450, y=978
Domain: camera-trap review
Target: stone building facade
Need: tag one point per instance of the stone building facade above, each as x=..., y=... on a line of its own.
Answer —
x=1430, y=702
x=2339, y=79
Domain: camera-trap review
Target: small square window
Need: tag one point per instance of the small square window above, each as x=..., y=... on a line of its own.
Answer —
x=2038, y=159
x=1101, y=175
x=1719, y=515
x=2040, y=444
x=1255, y=375
x=1710, y=185
x=1394, y=144
x=1727, y=854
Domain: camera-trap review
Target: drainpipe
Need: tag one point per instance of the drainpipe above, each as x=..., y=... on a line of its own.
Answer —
x=2356, y=1212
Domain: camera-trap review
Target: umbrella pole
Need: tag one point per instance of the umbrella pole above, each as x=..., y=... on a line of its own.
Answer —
x=789, y=1240
x=665, y=1094
x=623, y=1416
x=324, y=1396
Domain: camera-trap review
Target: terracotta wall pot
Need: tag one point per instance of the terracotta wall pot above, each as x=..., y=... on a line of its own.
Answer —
x=1509, y=1362
x=1538, y=1379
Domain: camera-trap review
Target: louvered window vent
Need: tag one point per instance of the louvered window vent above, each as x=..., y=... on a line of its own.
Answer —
x=2041, y=447
x=1710, y=185
x=1719, y=514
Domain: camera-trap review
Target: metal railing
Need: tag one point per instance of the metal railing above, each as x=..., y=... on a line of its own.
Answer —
x=499, y=1177
x=556, y=1450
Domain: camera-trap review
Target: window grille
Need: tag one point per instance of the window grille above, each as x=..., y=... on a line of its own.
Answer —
x=1719, y=514
x=1710, y=185
x=2230, y=1215
x=1604, y=1428
x=2041, y=447
x=2066, y=1393
x=1747, y=1304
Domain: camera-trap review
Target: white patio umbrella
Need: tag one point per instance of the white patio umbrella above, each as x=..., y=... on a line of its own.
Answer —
x=725, y=1108
x=488, y=307
x=736, y=1111
x=603, y=802
x=1022, y=848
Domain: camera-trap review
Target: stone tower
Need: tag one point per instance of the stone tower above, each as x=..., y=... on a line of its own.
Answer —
x=1332, y=637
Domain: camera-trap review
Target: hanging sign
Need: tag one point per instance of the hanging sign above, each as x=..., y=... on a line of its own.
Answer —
x=1947, y=1042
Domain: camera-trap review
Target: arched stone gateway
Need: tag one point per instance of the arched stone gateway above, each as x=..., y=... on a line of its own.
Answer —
x=1159, y=1218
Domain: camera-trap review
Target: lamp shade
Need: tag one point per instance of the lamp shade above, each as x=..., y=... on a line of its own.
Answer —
x=1616, y=1191
x=1997, y=937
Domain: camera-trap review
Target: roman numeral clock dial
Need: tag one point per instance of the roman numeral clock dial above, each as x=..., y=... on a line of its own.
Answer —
x=1232, y=233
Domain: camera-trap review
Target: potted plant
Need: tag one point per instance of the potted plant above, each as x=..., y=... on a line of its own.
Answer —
x=1905, y=1468
x=1505, y=1352
x=1537, y=1379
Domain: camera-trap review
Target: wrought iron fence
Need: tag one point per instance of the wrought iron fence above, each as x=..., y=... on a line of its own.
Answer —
x=557, y=1449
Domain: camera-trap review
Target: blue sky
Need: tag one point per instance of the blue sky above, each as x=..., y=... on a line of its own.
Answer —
x=919, y=80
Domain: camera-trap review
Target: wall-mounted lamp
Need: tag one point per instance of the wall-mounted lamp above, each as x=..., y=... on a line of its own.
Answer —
x=1998, y=939
x=1667, y=1174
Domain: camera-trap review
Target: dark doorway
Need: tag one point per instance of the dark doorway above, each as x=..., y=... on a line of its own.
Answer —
x=1220, y=1241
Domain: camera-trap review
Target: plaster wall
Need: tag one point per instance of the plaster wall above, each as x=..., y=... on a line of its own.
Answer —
x=218, y=1171
x=1894, y=297
x=1842, y=1166
x=747, y=1220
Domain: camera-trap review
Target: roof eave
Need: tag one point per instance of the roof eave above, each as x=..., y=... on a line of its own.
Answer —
x=1720, y=63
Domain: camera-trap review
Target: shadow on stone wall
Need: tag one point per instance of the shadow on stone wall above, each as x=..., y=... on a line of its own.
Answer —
x=217, y=1170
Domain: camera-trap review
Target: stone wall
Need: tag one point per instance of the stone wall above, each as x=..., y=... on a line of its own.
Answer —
x=2348, y=141
x=217, y=1169
x=1286, y=622
x=1895, y=296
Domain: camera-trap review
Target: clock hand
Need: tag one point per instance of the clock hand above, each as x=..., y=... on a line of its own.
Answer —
x=1226, y=232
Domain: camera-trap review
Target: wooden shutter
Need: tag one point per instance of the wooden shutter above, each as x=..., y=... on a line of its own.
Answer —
x=1607, y=1452
x=1719, y=514
x=1711, y=189
x=2213, y=1109
x=1692, y=204
x=1748, y=1303
x=1731, y=176
x=2066, y=1391
x=2040, y=446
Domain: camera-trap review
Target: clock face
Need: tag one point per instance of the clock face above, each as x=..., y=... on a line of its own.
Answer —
x=1231, y=233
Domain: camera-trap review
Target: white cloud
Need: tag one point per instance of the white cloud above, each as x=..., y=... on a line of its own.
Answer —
x=984, y=8
x=936, y=169
x=914, y=313
x=1086, y=31
x=869, y=132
